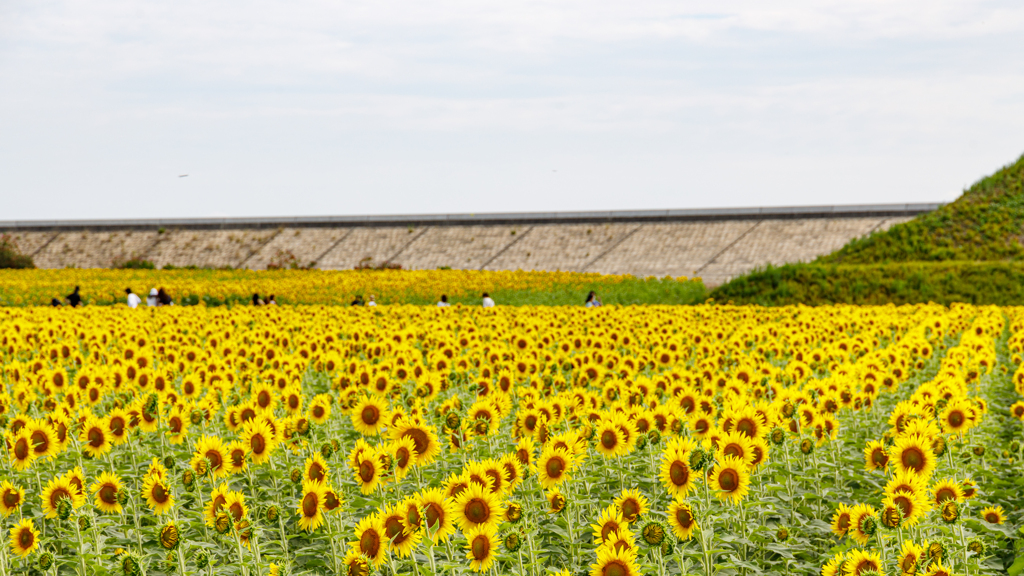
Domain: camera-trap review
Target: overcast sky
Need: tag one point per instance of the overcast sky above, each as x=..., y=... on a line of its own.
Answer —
x=383, y=106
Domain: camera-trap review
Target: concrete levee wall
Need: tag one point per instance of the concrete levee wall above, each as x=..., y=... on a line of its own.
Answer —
x=715, y=245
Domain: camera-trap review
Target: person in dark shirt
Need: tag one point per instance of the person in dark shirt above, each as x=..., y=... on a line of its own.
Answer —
x=358, y=301
x=74, y=299
x=164, y=298
x=55, y=303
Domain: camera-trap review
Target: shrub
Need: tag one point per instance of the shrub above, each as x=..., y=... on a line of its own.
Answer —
x=10, y=257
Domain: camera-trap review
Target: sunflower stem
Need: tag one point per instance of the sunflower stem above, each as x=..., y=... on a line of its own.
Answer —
x=81, y=548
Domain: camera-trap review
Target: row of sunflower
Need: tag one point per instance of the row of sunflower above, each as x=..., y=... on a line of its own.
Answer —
x=328, y=287
x=307, y=439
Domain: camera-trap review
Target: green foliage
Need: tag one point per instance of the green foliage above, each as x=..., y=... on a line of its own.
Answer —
x=985, y=223
x=136, y=264
x=10, y=257
x=999, y=283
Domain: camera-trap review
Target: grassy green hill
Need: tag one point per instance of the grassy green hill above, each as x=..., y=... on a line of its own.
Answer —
x=971, y=250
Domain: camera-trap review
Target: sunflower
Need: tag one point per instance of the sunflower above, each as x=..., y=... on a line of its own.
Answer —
x=234, y=504
x=424, y=437
x=157, y=495
x=556, y=501
x=841, y=520
x=480, y=546
x=117, y=424
x=218, y=497
x=43, y=439
x=834, y=566
x=77, y=479
x=738, y=446
x=369, y=415
x=513, y=471
x=370, y=539
x=610, y=439
x=863, y=523
x=913, y=507
x=676, y=475
x=632, y=504
x=608, y=522
x=614, y=562
x=994, y=515
x=731, y=479
x=861, y=561
x=553, y=466
x=911, y=454
x=258, y=438
x=476, y=506
x=212, y=449
x=368, y=471
x=320, y=409
x=316, y=469
x=682, y=520
x=95, y=437
x=956, y=418
x=910, y=557
x=438, y=514
x=497, y=474
x=355, y=564
x=106, y=488
x=947, y=489
x=525, y=451
x=875, y=456
x=24, y=538
x=749, y=422
x=56, y=490
x=177, y=425
x=937, y=569
x=400, y=534
x=311, y=505
x=11, y=498
x=403, y=452
x=20, y=451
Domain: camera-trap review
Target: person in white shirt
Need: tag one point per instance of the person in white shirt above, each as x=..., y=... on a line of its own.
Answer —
x=488, y=302
x=152, y=299
x=133, y=298
x=372, y=301
x=444, y=301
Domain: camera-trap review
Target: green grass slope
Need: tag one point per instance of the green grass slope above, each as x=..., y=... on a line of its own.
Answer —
x=971, y=250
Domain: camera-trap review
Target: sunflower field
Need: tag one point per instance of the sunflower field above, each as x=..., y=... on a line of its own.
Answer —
x=527, y=441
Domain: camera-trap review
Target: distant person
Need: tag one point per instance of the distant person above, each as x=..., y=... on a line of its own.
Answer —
x=133, y=298
x=271, y=301
x=56, y=303
x=152, y=300
x=488, y=302
x=592, y=301
x=256, y=300
x=444, y=301
x=164, y=298
x=372, y=301
x=74, y=299
x=358, y=301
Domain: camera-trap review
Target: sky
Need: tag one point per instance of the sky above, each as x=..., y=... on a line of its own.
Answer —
x=347, y=107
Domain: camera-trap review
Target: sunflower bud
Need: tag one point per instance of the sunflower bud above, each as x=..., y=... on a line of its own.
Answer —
x=513, y=541
x=45, y=561
x=978, y=450
x=641, y=442
x=169, y=536
x=976, y=546
x=676, y=426
x=653, y=533
x=782, y=534
x=950, y=512
x=654, y=436
x=326, y=450
x=272, y=513
x=64, y=508
x=122, y=496
x=201, y=466
x=151, y=404
x=169, y=563
x=302, y=427
x=514, y=512
x=84, y=523
x=698, y=457
x=452, y=420
x=666, y=547
x=196, y=416
x=188, y=479
x=481, y=426
x=936, y=551
x=130, y=565
x=557, y=502
x=778, y=436
x=296, y=475
x=223, y=523
x=868, y=525
x=892, y=517
x=939, y=445
x=169, y=463
x=202, y=560
x=806, y=446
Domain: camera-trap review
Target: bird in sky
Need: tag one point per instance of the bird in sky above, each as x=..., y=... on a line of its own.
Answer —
x=182, y=175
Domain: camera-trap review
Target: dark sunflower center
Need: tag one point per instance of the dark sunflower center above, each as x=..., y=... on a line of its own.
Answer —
x=746, y=427
x=956, y=419
x=258, y=444
x=159, y=493
x=41, y=441
x=945, y=494
x=366, y=471
x=733, y=450
x=630, y=509
x=394, y=530
x=215, y=459
x=914, y=458
x=57, y=495
x=310, y=505
x=370, y=415
x=316, y=472
x=608, y=528
x=108, y=494
x=402, y=456
x=609, y=439
x=433, y=514
x=729, y=480
x=679, y=473
x=477, y=511
x=481, y=548
x=369, y=543
x=419, y=438
x=685, y=517
x=615, y=568
x=10, y=499
x=21, y=449
x=555, y=467
x=26, y=538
